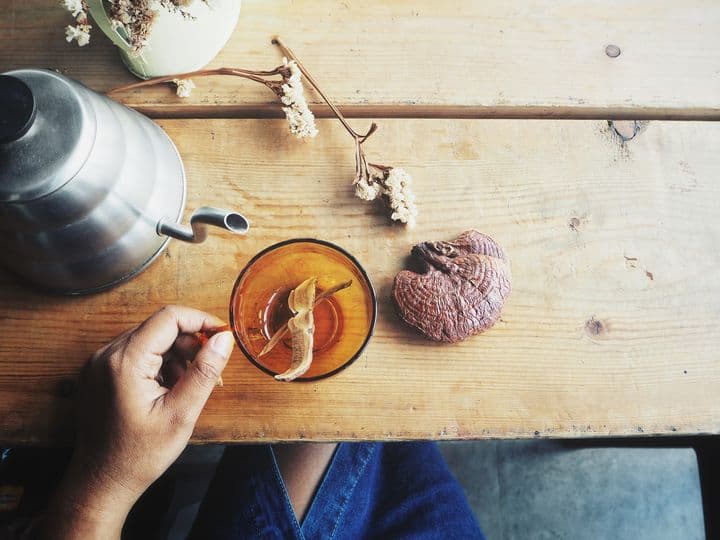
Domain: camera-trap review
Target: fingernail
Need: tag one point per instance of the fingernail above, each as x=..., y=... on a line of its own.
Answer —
x=222, y=343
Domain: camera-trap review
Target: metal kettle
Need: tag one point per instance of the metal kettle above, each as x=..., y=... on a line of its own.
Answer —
x=90, y=190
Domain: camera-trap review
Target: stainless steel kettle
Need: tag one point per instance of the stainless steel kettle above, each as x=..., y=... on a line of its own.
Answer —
x=90, y=190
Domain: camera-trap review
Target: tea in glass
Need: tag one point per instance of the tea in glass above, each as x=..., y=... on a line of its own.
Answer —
x=343, y=322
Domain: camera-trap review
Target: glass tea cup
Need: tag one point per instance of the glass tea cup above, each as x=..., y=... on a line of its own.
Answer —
x=344, y=322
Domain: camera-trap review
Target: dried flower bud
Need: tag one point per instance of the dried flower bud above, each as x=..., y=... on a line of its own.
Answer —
x=302, y=327
x=79, y=33
x=367, y=189
x=135, y=18
x=297, y=112
x=371, y=181
x=75, y=7
x=399, y=196
x=184, y=87
x=393, y=185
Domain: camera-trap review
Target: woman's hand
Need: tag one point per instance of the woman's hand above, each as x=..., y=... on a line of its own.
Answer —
x=131, y=427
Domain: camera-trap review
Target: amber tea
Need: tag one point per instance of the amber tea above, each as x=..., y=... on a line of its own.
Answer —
x=343, y=321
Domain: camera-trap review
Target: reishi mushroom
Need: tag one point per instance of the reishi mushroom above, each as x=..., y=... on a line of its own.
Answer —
x=461, y=291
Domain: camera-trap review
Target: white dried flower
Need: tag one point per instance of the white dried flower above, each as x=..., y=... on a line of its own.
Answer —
x=400, y=197
x=297, y=112
x=184, y=87
x=394, y=185
x=75, y=7
x=80, y=33
x=367, y=190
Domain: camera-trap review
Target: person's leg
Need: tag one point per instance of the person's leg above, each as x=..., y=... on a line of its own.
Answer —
x=302, y=467
x=369, y=490
x=262, y=491
x=246, y=499
x=390, y=490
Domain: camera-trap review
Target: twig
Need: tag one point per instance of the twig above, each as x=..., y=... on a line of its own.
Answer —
x=288, y=52
x=245, y=73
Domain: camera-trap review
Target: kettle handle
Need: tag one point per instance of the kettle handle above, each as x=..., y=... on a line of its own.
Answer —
x=203, y=216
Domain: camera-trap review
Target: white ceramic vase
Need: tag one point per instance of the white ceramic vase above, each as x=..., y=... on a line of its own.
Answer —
x=176, y=44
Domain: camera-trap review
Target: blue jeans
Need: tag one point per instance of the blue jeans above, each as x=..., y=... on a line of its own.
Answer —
x=370, y=490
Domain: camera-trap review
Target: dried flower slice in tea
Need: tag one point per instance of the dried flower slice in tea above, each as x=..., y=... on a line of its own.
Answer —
x=302, y=328
x=283, y=330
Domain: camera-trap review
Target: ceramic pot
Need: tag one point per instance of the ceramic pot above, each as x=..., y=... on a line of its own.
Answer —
x=176, y=43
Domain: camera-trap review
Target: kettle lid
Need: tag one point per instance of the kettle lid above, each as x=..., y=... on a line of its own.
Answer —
x=47, y=130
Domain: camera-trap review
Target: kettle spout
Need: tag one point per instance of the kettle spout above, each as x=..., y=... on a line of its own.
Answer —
x=201, y=218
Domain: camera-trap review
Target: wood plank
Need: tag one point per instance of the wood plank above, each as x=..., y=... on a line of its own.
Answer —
x=611, y=329
x=436, y=59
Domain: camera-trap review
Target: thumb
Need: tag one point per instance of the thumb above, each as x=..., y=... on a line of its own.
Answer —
x=190, y=393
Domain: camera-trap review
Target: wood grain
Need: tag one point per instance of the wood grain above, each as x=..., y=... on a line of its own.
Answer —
x=541, y=58
x=612, y=327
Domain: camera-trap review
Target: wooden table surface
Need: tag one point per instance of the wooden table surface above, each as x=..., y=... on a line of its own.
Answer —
x=613, y=326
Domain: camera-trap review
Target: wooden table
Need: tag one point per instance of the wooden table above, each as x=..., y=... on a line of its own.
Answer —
x=508, y=118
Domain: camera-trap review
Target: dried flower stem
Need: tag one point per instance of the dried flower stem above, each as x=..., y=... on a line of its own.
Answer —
x=289, y=89
x=371, y=181
x=361, y=165
x=288, y=52
x=256, y=76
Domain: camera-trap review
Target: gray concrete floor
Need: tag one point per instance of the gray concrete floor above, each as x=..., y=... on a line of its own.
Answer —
x=537, y=490
x=543, y=489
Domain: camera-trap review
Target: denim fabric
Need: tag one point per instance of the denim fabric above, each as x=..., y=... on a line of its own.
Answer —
x=370, y=490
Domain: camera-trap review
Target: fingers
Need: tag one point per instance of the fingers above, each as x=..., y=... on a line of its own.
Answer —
x=172, y=371
x=176, y=360
x=157, y=334
x=186, y=347
x=187, y=398
x=115, y=341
